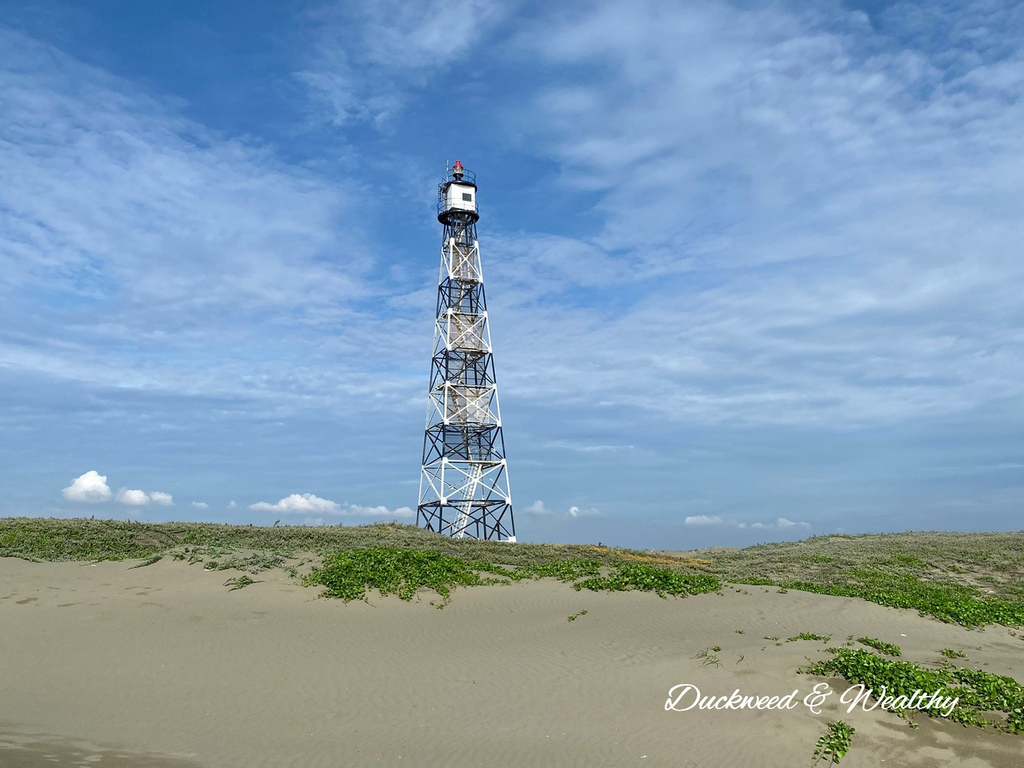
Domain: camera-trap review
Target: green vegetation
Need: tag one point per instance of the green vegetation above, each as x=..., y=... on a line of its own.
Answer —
x=400, y=571
x=967, y=579
x=951, y=603
x=978, y=692
x=95, y=540
x=254, y=563
x=834, y=745
x=887, y=648
x=254, y=549
x=949, y=653
x=393, y=572
x=809, y=636
x=577, y=615
x=238, y=582
x=708, y=657
x=649, y=578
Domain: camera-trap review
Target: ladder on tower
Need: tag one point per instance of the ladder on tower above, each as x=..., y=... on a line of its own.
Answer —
x=459, y=527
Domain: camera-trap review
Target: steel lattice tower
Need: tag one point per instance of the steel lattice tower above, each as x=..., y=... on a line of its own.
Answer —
x=464, y=488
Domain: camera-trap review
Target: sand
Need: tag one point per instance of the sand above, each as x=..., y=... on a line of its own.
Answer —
x=104, y=665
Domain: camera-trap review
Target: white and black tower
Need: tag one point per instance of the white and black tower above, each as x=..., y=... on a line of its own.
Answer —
x=464, y=488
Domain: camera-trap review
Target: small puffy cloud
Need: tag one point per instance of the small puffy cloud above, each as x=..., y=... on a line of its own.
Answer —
x=537, y=509
x=200, y=505
x=577, y=512
x=704, y=520
x=314, y=508
x=90, y=488
x=132, y=498
x=299, y=504
x=232, y=504
x=379, y=511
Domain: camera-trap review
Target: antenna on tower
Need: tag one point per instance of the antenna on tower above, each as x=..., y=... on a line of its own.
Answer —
x=464, y=487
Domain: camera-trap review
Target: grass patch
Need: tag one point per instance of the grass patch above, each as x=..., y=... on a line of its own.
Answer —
x=980, y=693
x=403, y=572
x=254, y=563
x=648, y=578
x=47, y=539
x=833, y=746
x=708, y=657
x=238, y=582
x=809, y=636
x=392, y=572
x=887, y=648
x=951, y=603
x=967, y=579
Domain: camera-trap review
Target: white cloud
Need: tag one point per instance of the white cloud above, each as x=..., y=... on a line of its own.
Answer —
x=200, y=505
x=299, y=504
x=575, y=511
x=132, y=498
x=232, y=504
x=538, y=509
x=310, y=505
x=163, y=234
x=367, y=57
x=817, y=216
x=90, y=488
x=378, y=511
x=703, y=520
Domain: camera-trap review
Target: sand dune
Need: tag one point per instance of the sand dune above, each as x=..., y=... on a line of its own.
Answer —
x=104, y=665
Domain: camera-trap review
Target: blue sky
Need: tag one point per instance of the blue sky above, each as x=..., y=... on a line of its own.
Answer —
x=754, y=269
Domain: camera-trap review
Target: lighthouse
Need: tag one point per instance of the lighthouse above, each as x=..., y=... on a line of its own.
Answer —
x=464, y=485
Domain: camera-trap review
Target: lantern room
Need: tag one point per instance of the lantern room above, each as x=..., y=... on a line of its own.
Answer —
x=457, y=193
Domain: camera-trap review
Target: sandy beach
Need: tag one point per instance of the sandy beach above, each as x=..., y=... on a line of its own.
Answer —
x=108, y=665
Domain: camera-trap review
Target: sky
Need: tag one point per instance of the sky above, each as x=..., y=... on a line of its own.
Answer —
x=754, y=269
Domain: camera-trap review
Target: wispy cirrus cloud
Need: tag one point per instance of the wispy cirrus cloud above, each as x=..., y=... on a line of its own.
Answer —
x=368, y=59
x=144, y=241
x=814, y=216
x=784, y=235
